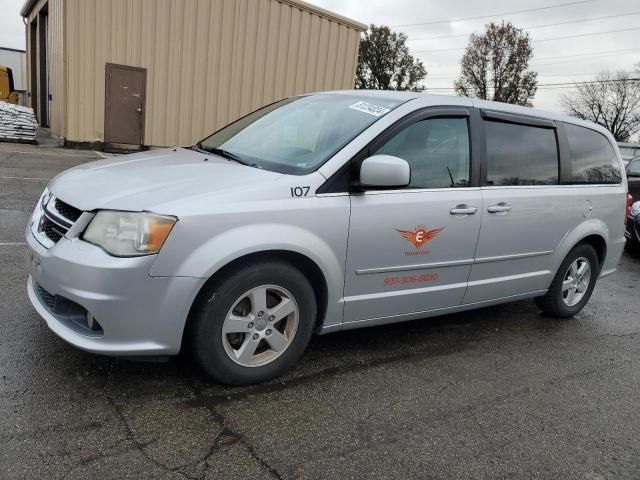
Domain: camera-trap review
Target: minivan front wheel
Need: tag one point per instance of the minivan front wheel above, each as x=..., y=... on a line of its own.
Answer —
x=260, y=325
x=254, y=323
x=573, y=284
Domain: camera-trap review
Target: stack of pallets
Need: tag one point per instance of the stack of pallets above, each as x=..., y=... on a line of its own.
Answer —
x=17, y=123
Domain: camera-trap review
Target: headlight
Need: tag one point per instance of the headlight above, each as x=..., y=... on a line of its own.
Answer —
x=128, y=234
x=635, y=209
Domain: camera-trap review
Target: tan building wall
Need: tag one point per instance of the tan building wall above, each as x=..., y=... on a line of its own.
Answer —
x=208, y=61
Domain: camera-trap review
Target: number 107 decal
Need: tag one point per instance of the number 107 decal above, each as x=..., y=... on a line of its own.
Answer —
x=300, y=191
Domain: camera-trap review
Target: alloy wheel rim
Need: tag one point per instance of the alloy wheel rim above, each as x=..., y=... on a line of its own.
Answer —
x=576, y=281
x=260, y=325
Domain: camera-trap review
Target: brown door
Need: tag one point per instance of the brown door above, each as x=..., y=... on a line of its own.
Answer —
x=124, y=109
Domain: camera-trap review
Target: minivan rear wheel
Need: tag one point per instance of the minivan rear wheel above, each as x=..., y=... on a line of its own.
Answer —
x=254, y=323
x=573, y=284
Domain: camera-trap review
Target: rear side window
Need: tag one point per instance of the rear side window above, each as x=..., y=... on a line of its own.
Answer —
x=521, y=154
x=593, y=159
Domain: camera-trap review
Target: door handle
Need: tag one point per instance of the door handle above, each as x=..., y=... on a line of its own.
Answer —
x=139, y=110
x=463, y=210
x=500, y=207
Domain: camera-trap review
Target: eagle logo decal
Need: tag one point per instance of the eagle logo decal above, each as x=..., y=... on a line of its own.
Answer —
x=420, y=235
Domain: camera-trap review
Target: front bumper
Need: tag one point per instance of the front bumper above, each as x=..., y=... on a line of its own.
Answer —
x=137, y=314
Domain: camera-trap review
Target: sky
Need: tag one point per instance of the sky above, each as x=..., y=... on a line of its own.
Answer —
x=557, y=60
x=574, y=59
x=12, y=31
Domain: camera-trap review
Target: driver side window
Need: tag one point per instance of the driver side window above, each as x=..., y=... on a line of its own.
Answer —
x=634, y=168
x=437, y=150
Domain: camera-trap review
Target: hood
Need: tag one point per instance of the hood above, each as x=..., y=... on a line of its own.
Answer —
x=144, y=180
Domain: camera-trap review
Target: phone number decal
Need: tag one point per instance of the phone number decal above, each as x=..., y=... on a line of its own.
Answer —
x=409, y=279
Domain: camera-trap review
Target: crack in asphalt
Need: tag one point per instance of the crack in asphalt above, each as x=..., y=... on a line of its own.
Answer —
x=130, y=434
x=111, y=452
x=236, y=437
x=140, y=446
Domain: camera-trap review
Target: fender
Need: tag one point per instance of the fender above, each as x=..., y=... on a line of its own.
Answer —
x=589, y=227
x=229, y=245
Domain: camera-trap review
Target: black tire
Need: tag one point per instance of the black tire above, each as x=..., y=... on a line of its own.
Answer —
x=204, y=334
x=552, y=303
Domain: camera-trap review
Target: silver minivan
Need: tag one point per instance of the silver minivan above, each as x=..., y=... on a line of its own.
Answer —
x=321, y=213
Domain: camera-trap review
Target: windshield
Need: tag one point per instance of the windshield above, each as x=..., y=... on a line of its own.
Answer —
x=298, y=135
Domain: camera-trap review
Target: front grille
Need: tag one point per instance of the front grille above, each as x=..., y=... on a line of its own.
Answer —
x=56, y=218
x=53, y=231
x=67, y=211
x=47, y=298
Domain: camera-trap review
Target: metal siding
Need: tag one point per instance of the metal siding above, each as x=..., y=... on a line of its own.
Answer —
x=60, y=94
x=56, y=49
x=209, y=61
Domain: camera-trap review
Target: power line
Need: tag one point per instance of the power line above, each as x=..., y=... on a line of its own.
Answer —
x=451, y=89
x=561, y=84
x=534, y=26
x=588, y=34
x=591, y=82
x=543, y=75
x=463, y=19
x=571, y=61
x=542, y=40
x=592, y=54
x=586, y=55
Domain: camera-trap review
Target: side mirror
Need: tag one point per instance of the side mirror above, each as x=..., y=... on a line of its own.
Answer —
x=384, y=171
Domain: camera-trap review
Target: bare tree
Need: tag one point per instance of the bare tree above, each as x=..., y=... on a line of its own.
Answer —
x=495, y=66
x=612, y=100
x=384, y=62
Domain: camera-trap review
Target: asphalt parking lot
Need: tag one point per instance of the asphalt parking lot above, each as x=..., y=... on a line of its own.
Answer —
x=502, y=392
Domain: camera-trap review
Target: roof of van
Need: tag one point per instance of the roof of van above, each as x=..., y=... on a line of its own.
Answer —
x=431, y=99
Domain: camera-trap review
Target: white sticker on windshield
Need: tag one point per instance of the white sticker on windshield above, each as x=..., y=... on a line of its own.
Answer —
x=369, y=108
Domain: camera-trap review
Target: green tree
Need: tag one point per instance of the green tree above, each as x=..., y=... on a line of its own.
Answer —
x=384, y=62
x=495, y=66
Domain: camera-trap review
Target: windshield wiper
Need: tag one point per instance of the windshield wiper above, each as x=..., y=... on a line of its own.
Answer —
x=198, y=148
x=228, y=155
x=223, y=153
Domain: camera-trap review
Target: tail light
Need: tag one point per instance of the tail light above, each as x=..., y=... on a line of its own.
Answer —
x=628, y=210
